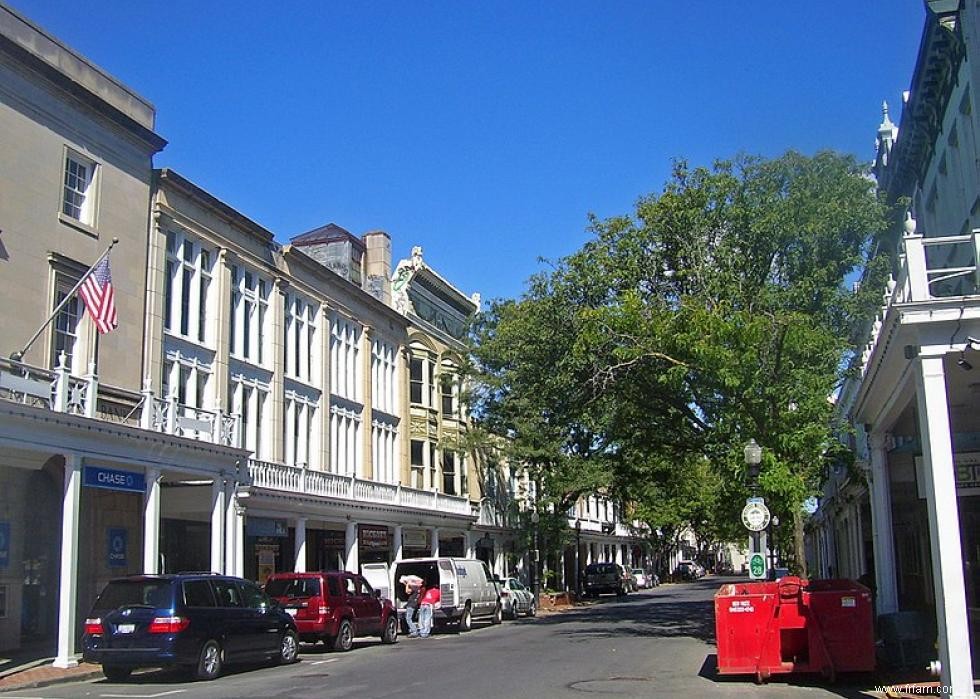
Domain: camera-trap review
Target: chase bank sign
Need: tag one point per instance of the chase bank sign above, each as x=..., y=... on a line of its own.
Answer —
x=113, y=479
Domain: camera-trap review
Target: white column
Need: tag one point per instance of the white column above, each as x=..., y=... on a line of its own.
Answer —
x=881, y=527
x=234, y=545
x=151, y=523
x=351, y=563
x=499, y=565
x=470, y=541
x=218, y=525
x=299, y=564
x=398, y=549
x=435, y=542
x=68, y=584
x=619, y=554
x=944, y=527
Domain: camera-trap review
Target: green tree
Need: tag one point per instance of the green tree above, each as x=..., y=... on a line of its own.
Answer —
x=716, y=312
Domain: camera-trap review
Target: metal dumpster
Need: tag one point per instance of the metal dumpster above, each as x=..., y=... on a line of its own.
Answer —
x=793, y=625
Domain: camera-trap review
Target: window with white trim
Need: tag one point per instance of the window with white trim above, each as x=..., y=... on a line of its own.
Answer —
x=422, y=378
x=418, y=464
x=249, y=315
x=384, y=436
x=383, y=383
x=299, y=335
x=449, y=484
x=248, y=399
x=187, y=380
x=65, y=325
x=345, y=362
x=345, y=440
x=299, y=415
x=186, y=284
x=449, y=390
x=78, y=197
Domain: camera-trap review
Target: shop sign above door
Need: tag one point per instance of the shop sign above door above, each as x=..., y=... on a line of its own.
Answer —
x=114, y=479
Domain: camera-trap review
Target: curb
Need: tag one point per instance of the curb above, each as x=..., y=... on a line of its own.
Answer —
x=47, y=682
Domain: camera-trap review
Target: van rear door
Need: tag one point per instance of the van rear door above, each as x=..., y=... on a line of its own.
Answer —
x=378, y=576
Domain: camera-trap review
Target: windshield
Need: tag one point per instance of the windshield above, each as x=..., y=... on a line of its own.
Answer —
x=157, y=594
x=293, y=587
x=594, y=568
x=637, y=571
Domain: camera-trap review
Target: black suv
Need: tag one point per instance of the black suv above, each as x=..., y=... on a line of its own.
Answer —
x=603, y=577
x=195, y=621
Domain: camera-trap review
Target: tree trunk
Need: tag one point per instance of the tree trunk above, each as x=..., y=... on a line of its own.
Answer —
x=799, y=547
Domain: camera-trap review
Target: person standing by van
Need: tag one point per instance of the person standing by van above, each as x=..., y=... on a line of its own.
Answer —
x=430, y=598
x=414, y=591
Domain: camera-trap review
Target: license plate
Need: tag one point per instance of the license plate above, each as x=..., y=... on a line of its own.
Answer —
x=125, y=628
x=290, y=611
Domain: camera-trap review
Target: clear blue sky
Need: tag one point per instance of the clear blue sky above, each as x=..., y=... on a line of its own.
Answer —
x=486, y=131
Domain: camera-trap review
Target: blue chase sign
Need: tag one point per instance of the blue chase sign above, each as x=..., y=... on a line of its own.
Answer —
x=116, y=540
x=112, y=479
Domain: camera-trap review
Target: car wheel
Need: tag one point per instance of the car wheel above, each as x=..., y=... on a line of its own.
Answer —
x=288, y=648
x=390, y=633
x=532, y=609
x=114, y=673
x=466, y=620
x=209, y=662
x=344, y=639
x=498, y=614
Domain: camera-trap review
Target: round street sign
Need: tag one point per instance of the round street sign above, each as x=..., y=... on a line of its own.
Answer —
x=755, y=516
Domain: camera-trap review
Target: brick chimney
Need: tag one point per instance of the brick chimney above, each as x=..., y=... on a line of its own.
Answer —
x=377, y=265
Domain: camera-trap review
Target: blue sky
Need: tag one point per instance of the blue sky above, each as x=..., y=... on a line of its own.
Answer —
x=487, y=132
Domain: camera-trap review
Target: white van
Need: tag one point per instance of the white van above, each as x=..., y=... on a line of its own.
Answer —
x=466, y=588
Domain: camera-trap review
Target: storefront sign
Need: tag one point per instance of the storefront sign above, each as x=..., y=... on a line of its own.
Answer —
x=374, y=537
x=113, y=479
x=966, y=471
x=116, y=539
x=415, y=539
x=333, y=539
x=4, y=544
x=264, y=526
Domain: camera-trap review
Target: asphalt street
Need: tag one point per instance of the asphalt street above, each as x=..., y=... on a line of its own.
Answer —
x=654, y=643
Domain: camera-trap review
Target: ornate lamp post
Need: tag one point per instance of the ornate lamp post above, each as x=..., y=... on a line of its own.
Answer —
x=535, y=557
x=755, y=516
x=753, y=459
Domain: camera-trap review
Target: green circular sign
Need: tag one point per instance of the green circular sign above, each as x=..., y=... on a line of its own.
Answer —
x=757, y=565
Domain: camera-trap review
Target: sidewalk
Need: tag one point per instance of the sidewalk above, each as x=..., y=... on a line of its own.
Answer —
x=39, y=672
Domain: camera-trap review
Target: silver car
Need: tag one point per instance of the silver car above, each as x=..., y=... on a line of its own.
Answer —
x=516, y=599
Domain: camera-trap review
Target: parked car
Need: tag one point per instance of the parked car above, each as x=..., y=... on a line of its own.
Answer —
x=334, y=607
x=196, y=621
x=686, y=570
x=516, y=599
x=603, y=577
x=466, y=586
x=642, y=579
x=654, y=579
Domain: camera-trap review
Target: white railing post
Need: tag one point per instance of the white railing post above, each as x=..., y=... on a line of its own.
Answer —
x=302, y=477
x=91, y=391
x=217, y=426
x=398, y=494
x=915, y=259
x=61, y=385
x=146, y=417
x=350, y=487
x=237, y=438
x=171, y=426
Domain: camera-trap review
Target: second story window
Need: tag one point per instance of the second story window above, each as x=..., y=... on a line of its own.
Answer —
x=345, y=358
x=383, y=377
x=249, y=311
x=78, y=196
x=65, y=325
x=188, y=278
x=299, y=335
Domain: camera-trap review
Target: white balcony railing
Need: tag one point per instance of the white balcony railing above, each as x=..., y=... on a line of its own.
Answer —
x=931, y=269
x=170, y=417
x=297, y=479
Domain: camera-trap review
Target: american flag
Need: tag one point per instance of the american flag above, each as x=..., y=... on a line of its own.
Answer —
x=100, y=300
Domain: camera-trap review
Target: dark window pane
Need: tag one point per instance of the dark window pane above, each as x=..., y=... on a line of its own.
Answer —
x=197, y=593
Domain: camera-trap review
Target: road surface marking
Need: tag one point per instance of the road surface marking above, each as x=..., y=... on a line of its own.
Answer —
x=321, y=662
x=144, y=696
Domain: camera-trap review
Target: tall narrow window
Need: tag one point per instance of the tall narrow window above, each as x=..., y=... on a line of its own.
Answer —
x=78, y=198
x=449, y=473
x=418, y=463
x=188, y=279
x=65, y=323
x=416, y=380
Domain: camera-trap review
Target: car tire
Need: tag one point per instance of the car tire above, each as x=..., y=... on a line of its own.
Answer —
x=532, y=609
x=466, y=620
x=288, y=648
x=209, y=661
x=344, y=640
x=498, y=614
x=390, y=632
x=114, y=673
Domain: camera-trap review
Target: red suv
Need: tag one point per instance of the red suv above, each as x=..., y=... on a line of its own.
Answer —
x=334, y=607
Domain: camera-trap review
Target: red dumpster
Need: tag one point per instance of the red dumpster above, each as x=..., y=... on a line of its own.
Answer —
x=793, y=625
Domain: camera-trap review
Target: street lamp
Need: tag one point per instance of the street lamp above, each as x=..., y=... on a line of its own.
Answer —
x=535, y=557
x=753, y=458
x=578, y=566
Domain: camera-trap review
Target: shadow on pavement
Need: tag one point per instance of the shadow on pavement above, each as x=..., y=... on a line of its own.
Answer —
x=851, y=686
